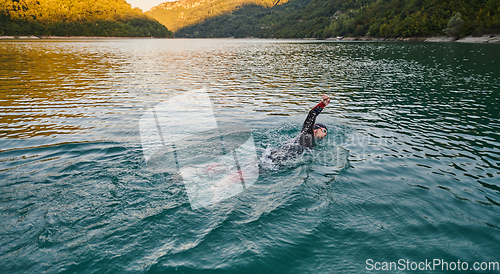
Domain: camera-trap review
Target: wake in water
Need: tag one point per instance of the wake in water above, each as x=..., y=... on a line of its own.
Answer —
x=210, y=172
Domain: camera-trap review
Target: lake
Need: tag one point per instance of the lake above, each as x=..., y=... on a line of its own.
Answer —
x=409, y=170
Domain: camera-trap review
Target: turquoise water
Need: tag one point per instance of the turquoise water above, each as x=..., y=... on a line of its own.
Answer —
x=410, y=168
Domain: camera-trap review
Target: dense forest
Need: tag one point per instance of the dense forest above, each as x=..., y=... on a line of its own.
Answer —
x=331, y=18
x=183, y=13
x=77, y=18
x=394, y=18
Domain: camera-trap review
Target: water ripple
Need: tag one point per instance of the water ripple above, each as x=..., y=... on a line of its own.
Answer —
x=409, y=169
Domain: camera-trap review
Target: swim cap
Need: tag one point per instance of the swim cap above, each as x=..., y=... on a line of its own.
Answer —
x=318, y=125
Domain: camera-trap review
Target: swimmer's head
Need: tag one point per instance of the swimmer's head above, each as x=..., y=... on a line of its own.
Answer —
x=320, y=131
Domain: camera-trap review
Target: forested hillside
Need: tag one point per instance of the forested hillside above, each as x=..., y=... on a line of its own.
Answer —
x=77, y=18
x=183, y=13
x=331, y=18
x=389, y=18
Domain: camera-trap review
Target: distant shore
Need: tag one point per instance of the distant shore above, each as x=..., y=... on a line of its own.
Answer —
x=67, y=37
x=484, y=39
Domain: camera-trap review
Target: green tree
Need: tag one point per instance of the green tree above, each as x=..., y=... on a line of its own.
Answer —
x=76, y=18
x=454, y=25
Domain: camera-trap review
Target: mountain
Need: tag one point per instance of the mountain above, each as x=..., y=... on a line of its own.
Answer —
x=395, y=18
x=77, y=18
x=179, y=14
x=326, y=18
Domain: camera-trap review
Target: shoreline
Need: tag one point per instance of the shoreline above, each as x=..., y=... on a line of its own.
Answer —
x=43, y=37
x=483, y=39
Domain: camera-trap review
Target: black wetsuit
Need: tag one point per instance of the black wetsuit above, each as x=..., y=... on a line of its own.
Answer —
x=305, y=139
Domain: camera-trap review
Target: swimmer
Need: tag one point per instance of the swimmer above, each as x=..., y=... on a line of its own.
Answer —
x=310, y=133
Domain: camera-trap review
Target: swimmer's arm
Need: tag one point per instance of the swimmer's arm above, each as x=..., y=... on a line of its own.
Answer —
x=308, y=126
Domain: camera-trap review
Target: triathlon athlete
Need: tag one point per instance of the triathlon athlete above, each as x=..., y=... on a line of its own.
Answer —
x=306, y=138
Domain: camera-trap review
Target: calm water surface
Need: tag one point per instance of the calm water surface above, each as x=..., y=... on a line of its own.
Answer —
x=410, y=168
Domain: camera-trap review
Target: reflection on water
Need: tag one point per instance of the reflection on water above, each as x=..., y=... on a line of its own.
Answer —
x=47, y=88
x=410, y=167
